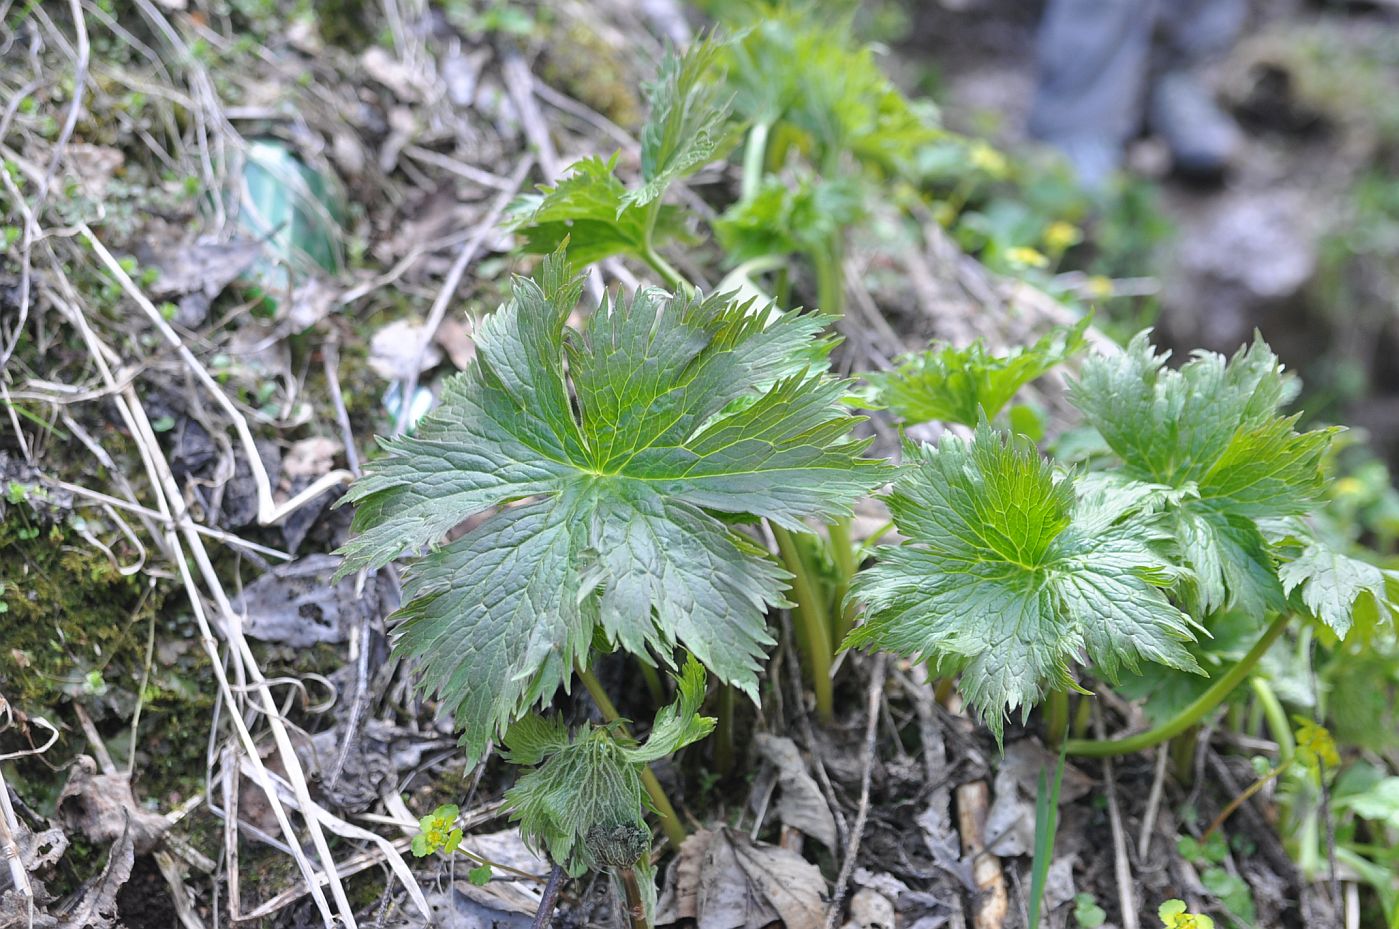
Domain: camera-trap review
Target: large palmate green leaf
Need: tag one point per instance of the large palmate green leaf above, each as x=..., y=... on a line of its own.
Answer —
x=584, y=802
x=960, y=385
x=1008, y=575
x=597, y=459
x=1212, y=431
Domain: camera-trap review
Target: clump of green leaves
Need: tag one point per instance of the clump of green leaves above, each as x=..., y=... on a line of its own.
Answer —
x=601, y=458
x=790, y=217
x=1087, y=913
x=1211, y=434
x=961, y=385
x=800, y=75
x=583, y=803
x=1010, y=572
x=1231, y=890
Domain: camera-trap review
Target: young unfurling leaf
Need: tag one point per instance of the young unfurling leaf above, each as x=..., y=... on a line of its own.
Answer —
x=584, y=803
x=1007, y=576
x=589, y=209
x=599, y=458
x=1212, y=431
x=687, y=126
x=960, y=385
x=601, y=216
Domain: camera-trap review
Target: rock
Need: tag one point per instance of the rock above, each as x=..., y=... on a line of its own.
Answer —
x=1247, y=257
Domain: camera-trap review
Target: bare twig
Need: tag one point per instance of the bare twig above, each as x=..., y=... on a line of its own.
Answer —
x=269, y=512
x=449, y=288
x=9, y=848
x=1122, y=868
x=989, y=910
x=852, y=845
x=545, y=913
x=1153, y=803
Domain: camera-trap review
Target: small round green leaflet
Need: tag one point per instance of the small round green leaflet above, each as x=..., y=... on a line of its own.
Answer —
x=1174, y=916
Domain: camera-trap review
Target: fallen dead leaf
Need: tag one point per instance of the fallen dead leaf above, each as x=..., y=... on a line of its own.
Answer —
x=295, y=604
x=97, y=907
x=741, y=885
x=398, y=77
x=93, y=166
x=393, y=348
x=204, y=267
x=504, y=893
x=103, y=809
x=1010, y=822
x=800, y=804
x=455, y=338
x=310, y=458
x=310, y=303
x=870, y=909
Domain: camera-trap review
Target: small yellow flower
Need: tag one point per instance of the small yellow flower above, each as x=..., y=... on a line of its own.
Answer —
x=987, y=160
x=437, y=831
x=1098, y=287
x=1315, y=745
x=1349, y=487
x=1173, y=916
x=1026, y=257
x=1060, y=235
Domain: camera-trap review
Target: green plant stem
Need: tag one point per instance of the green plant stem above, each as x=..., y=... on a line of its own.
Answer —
x=1193, y=713
x=1056, y=718
x=653, y=682
x=1235, y=717
x=669, y=821
x=636, y=906
x=1083, y=716
x=724, y=731
x=813, y=628
x=1276, y=717
x=754, y=154
x=782, y=287
x=830, y=279
x=843, y=554
x=672, y=278
x=1181, y=750
x=874, y=538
